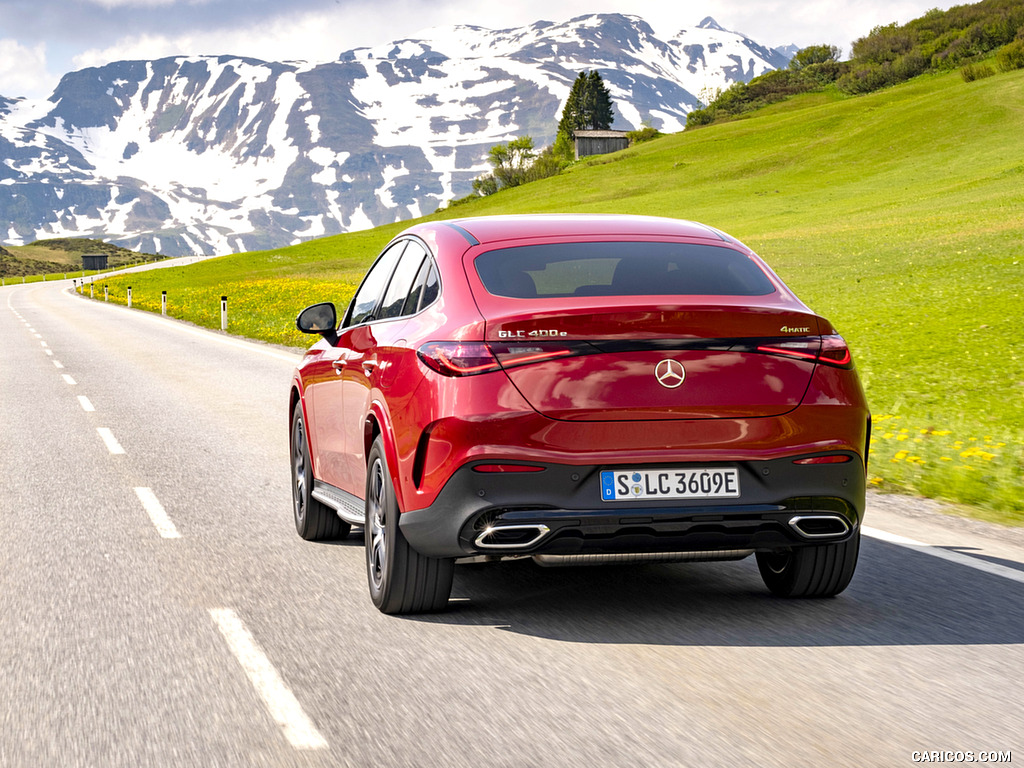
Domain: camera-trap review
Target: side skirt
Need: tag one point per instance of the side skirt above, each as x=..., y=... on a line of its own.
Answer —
x=350, y=508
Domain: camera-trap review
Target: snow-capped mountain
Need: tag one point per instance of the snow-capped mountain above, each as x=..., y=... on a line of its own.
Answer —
x=215, y=154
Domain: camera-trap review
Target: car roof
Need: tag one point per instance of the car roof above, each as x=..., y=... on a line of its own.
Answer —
x=491, y=229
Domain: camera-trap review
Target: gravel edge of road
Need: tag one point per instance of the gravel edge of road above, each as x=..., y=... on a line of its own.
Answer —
x=946, y=515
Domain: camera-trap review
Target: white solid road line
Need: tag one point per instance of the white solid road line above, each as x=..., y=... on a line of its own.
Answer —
x=110, y=441
x=280, y=701
x=157, y=514
x=945, y=554
x=86, y=405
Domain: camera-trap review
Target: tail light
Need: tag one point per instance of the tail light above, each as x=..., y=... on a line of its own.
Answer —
x=830, y=350
x=458, y=358
x=466, y=358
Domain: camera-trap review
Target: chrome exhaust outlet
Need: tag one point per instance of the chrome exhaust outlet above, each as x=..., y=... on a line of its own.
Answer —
x=551, y=561
x=511, y=536
x=820, y=526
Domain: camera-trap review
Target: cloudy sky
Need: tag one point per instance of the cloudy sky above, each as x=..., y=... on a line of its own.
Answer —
x=40, y=40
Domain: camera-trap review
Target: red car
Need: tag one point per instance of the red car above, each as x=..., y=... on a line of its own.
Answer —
x=578, y=389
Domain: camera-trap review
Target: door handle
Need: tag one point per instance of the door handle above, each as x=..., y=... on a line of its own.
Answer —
x=368, y=366
x=338, y=366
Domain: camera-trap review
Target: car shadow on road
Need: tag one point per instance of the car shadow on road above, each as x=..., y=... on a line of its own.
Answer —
x=898, y=597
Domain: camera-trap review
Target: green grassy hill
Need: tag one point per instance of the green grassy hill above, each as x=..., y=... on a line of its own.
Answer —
x=898, y=215
x=61, y=255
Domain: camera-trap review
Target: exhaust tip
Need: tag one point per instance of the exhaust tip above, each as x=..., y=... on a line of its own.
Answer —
x=820, y=526
x=511, y=536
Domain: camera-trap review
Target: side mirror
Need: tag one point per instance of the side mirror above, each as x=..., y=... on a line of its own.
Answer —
x=318, y=318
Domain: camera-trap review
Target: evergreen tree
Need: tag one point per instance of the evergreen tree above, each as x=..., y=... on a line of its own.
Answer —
x=589, y=107
x=598, y=111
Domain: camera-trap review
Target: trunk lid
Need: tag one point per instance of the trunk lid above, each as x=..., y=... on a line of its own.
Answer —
x=654, y=363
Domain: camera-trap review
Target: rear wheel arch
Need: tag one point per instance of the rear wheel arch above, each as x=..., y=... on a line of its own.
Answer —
x=376, y=426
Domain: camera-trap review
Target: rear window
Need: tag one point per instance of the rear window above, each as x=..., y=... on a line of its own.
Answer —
x=620, y=269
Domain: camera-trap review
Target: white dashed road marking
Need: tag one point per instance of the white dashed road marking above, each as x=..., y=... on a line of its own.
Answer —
x=86, y=405
x=69, y=380
x=157, y=514
x=280, y=701
x=110, y=441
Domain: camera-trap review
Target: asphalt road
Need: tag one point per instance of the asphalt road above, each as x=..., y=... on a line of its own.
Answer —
x=158, y=609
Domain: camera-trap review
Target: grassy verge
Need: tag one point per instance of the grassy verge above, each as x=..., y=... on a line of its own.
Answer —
x=899, y=216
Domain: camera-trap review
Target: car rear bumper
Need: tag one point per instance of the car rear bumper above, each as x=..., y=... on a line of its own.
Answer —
x=558, y=511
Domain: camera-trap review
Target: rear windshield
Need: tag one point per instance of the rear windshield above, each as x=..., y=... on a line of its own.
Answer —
x=620, y=269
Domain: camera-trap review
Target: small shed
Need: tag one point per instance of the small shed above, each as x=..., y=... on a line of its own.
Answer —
x=94, y=261
x=599, y=142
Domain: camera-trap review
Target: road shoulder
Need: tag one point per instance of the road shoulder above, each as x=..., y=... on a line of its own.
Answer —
x=935, y=524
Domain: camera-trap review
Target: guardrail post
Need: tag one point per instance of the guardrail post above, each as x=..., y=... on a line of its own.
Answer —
x=163, y=303
x=223, y=313
x=129, y=297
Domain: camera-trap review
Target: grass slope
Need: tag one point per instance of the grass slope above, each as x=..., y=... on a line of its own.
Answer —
x=57, y=257
x=899, y=216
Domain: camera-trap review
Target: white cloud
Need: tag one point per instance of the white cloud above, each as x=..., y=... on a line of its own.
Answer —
x=228, y=28
x=23, y=69
x=315, y=37
x=110, y=4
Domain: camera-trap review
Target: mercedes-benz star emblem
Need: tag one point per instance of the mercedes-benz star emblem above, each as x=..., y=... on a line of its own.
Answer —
x=670, y=373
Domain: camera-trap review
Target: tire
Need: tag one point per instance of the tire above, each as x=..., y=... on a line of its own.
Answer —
x=314, y=520
x=822, y=570
x=401, y=580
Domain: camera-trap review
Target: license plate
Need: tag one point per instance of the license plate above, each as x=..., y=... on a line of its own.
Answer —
x=646, y=484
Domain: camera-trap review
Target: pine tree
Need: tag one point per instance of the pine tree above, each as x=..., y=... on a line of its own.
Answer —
x=589, y=107
x=598, y=110
x=572, y=113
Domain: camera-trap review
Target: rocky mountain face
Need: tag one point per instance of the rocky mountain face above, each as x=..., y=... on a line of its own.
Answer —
x=207, y=154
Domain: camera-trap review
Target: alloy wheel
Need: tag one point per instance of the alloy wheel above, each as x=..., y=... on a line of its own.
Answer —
x=299, y=470
x=376, y=520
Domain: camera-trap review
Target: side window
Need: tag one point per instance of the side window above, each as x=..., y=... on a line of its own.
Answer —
x=405, y=273
x=432, y=288
x=366, y=298
x=424, y=288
